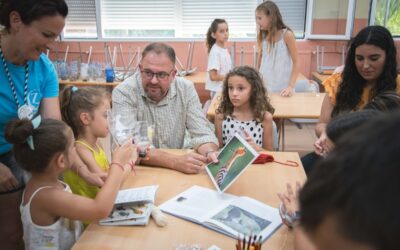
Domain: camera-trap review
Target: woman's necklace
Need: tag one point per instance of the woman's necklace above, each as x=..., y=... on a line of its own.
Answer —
x=25, y=111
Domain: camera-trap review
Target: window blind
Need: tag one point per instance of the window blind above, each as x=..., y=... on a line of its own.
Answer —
x=81, y=19
x=127, y=18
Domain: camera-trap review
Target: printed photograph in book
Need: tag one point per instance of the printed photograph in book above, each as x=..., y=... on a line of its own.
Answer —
x=127, y=212
x=234, y=157
x=241, y=221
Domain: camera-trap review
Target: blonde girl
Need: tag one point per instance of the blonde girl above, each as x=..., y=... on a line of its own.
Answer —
x=245, y=107
x=49, y=211
x=277, y=57
x=85, y=111
x=219, y=60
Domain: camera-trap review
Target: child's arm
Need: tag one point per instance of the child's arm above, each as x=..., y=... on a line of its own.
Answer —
x=259, y=59
x=267, y=132
x=218, y=129
x=213, y=65
x=88, y=159
x=214, y=76
x=57, y=202
x=290, y=41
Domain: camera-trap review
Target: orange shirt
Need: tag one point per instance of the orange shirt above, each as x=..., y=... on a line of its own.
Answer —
x=332, y=83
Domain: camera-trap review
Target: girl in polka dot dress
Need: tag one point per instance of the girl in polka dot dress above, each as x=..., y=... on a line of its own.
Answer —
x=245, y=108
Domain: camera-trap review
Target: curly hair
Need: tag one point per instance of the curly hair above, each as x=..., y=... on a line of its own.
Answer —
x=212, y=29
x=259, y=101
x=352, y=86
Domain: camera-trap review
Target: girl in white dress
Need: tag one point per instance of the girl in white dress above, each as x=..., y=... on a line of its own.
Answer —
x=277, y=57
x=219, y=60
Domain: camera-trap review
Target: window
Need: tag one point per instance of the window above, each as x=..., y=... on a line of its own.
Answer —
x=386, y=13
x=293, y=14
x=171, y=19
x=330, y=19
x=81, y=19
x=127, y=18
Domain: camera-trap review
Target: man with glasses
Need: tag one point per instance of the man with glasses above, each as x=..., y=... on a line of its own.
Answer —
x=155, y=95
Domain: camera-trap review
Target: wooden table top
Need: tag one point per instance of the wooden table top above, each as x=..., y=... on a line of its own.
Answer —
x=300, y=105
x=260, y=182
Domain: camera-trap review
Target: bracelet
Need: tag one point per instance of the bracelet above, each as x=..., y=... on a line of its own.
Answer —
x=119, y=165
x=132, y=167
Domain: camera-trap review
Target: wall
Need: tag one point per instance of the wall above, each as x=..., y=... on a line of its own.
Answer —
x=306, y=52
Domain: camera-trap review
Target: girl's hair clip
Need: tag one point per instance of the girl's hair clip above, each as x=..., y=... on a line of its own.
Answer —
x=74, y=89
x=35, y=123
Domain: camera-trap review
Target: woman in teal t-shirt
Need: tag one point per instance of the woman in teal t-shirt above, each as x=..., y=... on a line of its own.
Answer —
x=29, y=86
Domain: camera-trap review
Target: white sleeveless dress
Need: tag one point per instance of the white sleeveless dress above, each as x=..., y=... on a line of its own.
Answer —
x=276, y=65
x=62, y=234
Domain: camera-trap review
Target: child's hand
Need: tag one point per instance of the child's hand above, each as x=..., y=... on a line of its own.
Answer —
x=249, y=139
x=124, y=153
x=287, y=92
x=289, y=205
x=290, y=199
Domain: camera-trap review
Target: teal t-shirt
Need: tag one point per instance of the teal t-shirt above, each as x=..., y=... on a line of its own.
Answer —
x=42, y=83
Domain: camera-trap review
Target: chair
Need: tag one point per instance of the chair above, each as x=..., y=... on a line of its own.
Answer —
x=305, y=86
x=275, y=137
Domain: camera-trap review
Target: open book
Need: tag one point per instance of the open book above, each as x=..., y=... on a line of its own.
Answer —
x=234, y=158
x=225, y=213
x=132, y=207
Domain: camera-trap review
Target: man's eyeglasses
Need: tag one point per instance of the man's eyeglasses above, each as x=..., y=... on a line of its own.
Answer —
x=148, y=75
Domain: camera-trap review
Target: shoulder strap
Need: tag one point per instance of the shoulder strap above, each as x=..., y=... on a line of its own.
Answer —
x=85, y=145
x=33, y=195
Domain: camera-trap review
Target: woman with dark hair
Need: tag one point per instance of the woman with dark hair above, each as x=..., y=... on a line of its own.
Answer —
x=370, y=69
x=29, y=86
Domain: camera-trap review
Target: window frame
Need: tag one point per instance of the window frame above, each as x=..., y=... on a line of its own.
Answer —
x=100, y=36
x=349, y=23
x=372, y=15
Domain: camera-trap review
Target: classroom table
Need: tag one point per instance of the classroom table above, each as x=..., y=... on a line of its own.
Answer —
x=300, y=105
x=260, y=182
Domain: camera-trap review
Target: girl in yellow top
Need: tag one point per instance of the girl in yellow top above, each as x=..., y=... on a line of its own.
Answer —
x=85, y=111
x=370, y=69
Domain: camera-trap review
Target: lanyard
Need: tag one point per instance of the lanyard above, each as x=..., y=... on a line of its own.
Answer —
x=12, y=83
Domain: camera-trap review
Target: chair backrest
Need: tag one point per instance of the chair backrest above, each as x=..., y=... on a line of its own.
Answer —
x=275, y=137
x=306, y=86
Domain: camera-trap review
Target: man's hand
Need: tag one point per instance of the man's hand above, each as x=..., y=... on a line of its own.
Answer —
x=190, y=163
x=7, y=179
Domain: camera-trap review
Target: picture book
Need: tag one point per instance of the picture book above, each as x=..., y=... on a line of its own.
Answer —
x=225, y=213
x=233, y=159
x=132, y=207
